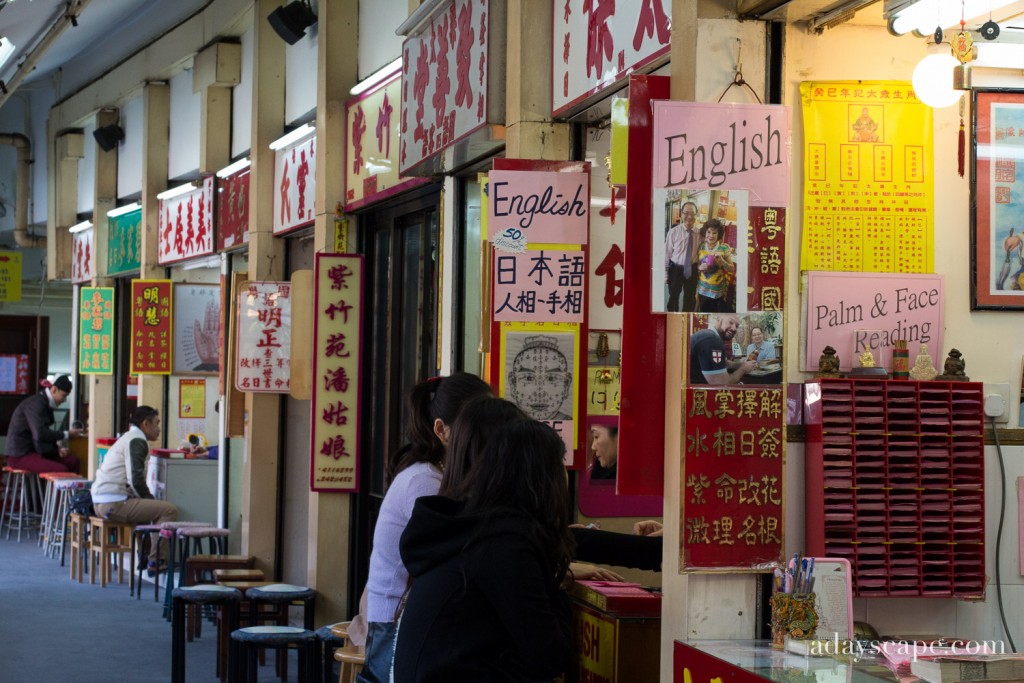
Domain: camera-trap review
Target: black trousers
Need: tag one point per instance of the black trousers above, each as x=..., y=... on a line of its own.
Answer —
x=679, y=284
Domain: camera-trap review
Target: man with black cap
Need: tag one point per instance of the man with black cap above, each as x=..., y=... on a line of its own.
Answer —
x=32, y=443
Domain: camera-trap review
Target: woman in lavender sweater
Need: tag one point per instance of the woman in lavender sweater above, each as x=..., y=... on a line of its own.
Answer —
x=413, y=471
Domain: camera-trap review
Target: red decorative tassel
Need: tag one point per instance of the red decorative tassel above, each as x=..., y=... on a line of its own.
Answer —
x=960, y=150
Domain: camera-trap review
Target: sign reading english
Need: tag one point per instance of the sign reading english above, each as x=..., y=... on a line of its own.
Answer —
x=544, y=206
x=856, y=312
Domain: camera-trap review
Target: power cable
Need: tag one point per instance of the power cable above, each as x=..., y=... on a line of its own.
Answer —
x=999, y=533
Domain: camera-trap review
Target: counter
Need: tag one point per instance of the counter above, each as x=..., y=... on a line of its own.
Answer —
x=189, y=484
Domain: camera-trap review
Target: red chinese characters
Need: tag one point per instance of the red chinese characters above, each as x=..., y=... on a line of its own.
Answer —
x=732, y=478
x=294, y=174
x=233, y=210
x=766, y=264
x=335, y=412
x=185, y=228
x=263, y=353
x=81, y=255
x=151, y=343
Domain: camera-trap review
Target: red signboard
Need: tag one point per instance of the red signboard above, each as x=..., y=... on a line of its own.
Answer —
x=151, y=327
x=186, y=224
x=233, y=210
x=338, y=329
x=766, y=267
x=732, y=478
x=14, y=373
x=82, y=254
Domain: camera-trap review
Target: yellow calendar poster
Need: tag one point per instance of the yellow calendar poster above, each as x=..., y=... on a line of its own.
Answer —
x=868, y=190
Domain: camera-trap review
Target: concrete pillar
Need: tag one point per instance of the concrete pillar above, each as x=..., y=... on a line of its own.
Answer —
x=63, y=156
x=214, y=72
x=327, y=561
x=156, y=107
x=266, y=262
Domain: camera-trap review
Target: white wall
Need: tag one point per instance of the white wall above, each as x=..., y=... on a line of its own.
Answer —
x=129, y=154
x=87, y=169
x=378, y=44
x=183, y=155
x=300, y=78
x=241, y=102
x=42, y=100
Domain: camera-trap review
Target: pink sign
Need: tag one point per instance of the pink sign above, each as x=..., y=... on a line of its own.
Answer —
x=539, y=286
x=294, y=174
x=539, y=206
x=723, y=146
x=264, y=348
x=186, y=225
x=857, y=312
x=82, y=256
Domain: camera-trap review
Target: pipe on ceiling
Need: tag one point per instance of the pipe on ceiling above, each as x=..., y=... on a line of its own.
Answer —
x=21, y=236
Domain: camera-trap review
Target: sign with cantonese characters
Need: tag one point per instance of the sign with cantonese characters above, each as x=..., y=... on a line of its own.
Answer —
x=96, y=331
x=123, y=243
x=336, y=362
x=263, y=352
x=186, y=225
x=539, y=285
x=82, y=256
x=295, y=185
x=151, y=327
x=598, y=44
x=233, y=210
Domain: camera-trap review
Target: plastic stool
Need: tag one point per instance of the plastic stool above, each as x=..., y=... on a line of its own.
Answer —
x=227, y=598
x=246, y=642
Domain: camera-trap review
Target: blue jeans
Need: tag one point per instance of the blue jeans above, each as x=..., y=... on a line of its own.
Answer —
x=380, y=652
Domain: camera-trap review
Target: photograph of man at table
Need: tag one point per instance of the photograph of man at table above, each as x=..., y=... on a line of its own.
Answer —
x=726, y=348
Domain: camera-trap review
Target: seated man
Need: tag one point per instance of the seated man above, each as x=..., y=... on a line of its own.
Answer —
x=708, y=361
x=121, y=498
x=32, y=443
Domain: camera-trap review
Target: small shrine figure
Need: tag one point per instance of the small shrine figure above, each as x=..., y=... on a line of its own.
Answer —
x=953, y=368
x=866, y=359
x=923, y=369
x=828, y=363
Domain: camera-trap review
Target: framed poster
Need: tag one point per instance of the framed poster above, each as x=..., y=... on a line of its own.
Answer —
x=997, y=245
x=196, y=329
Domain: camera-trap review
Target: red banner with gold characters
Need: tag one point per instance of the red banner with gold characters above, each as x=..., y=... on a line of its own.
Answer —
x=338, y=329
x=766, y=266
x=151, y=327
x=732, y=478
x=96, y=331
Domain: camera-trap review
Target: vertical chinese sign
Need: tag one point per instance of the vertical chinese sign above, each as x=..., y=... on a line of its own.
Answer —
x=264, y=337
x=336, y=378
x=538, y=218
x=186, y=224
x=151, y=327
x=598, y=44
x=732, y=479
x=294, y=185
x=14, y=373
x=82, y=256
x=96, y=331
x=868, y=187
x=10, y=276
x=123, y=241
x=233, y=209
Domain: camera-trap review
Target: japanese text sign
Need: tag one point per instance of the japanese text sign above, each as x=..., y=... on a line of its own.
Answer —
x=732, y=478
x=10, y=276
x=96, y=331
x=545, y=285
x=186, y=224
x=539, y=206
x=336, y=378
x=233, y=210
x=371, y=152
x=123, y=243
x=151, y=327
x=263, y=352
x=723, y=146
x=856, y=312
x=82, y=256
x=597, y=44
x=444, y=81
x=868, y=187
x=14, y=373
x=295, y=187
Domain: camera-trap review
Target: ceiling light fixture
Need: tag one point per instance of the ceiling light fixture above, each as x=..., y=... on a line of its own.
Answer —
x=292, y=137
x=6, y=49
x=382, y=74
x=234, y=168
x=177, y=191
x=291, y=21
x=922, y=16
x=121, y=210
x=933, y=78
x=80, y=227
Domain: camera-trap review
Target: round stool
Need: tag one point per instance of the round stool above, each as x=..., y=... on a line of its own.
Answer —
x=330, y=638
x=246, y=642
x=169, y=531
x=65, y=489
x=282, y=594
x=227, y=598
x=21, y=490
x=138, y=547
x=180, y=545
x=49, y=517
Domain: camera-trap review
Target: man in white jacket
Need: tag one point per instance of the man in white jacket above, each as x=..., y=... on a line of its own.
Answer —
x=120, y=493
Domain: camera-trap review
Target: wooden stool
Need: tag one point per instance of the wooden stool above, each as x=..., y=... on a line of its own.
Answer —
x=107, y=540
x=352, y=659
x=197, y=597
x=246, y=643
x=79, y=534
x=221, y=575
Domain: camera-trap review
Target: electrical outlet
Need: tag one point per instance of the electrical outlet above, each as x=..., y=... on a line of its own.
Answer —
x=1003, y=392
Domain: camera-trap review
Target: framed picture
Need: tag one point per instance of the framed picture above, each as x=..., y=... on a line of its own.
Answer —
x=997, y=215
x=196, y=329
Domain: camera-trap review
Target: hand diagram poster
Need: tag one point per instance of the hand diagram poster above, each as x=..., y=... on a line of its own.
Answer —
x=196, y=329
x=868, y=188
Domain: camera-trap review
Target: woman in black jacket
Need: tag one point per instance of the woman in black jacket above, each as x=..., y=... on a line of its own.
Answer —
x=486, y=602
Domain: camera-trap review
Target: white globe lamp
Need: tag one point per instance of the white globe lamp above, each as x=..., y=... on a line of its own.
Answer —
x=933, y=80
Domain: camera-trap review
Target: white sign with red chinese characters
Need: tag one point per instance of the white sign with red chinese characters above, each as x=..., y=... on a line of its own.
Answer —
x=264, y=345
x=82, y=256
x=444, y=81
x=186, y=225
x=598, y=43
x=295, y=187
x=337, y=331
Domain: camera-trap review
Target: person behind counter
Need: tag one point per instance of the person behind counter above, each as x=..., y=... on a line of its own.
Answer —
x=32, y=443
x=120, y=493
x=605, y=445
x=486, y=603
x=413, y=471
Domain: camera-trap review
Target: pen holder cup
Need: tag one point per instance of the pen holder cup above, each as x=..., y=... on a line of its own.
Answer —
x=793, y=615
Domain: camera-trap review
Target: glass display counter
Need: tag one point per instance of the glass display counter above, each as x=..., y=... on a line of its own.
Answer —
x=754, y=661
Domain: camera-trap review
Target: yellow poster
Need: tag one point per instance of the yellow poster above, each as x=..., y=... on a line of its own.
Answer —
x=868, y=189
x=192, y=399
x=10, y=276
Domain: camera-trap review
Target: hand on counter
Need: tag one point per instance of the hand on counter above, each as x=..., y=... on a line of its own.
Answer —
x=648, y=528
x=589, y=572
